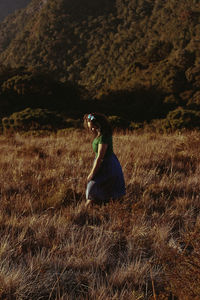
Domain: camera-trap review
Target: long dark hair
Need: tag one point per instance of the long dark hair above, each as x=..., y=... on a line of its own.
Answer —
x=100, y=121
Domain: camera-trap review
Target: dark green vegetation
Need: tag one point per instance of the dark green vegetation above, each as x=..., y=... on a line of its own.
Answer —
x=136, y=59
x=33, y=119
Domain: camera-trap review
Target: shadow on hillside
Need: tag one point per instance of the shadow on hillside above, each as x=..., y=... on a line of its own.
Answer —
x=140, y=104
x=80, y=9
x=21, y=89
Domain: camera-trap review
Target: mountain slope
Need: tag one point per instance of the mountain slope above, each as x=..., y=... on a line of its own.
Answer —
x=110, y=46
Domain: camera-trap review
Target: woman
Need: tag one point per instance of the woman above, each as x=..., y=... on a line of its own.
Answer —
x=106, y=180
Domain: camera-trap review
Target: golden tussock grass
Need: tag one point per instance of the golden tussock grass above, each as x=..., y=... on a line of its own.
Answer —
x=145, y=246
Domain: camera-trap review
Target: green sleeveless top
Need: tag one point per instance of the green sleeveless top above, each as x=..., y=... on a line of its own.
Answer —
x=103, y=139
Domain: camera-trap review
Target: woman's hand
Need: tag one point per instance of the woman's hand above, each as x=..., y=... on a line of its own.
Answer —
x=101, y=153
x=90, y=176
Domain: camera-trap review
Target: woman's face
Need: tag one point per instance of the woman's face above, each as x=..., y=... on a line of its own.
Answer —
x=92, y=127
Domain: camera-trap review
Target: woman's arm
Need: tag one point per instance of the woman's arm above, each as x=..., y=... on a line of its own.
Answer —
x=101, y=153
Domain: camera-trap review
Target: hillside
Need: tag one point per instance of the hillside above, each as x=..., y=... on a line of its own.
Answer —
x=9, y=6
x=144, y=53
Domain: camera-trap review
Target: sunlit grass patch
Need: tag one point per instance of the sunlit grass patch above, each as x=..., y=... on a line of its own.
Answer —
x=144, y=245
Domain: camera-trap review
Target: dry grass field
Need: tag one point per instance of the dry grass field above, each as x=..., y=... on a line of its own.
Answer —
x=145, y=246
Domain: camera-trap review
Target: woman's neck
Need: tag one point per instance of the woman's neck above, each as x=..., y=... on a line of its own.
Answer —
x=98, y=133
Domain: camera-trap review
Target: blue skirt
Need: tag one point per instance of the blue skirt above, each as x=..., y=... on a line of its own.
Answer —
x=108, y=183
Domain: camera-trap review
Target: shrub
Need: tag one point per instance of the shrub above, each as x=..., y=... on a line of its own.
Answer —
x=193, y=76
x=136, y=126
x=179, y=118
x=186, y=96
x=183, y=118
x=19, y=85
x=194, y=101
x=118, y=122
x=33, y=119
x=73, y=123
x=171, y=100
x=158, y=126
